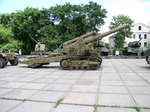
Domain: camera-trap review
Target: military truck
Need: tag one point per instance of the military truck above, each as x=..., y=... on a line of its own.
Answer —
x=78, y=53
x=6, y=57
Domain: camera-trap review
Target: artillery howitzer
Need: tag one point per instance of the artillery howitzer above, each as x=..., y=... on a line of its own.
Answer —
x=39, y=48
x=8, y=57
x=78, y=53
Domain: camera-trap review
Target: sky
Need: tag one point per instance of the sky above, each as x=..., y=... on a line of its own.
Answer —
x=137, y=10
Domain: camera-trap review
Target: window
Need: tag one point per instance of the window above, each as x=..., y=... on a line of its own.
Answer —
x=134, y=36
x=145, y=44
x=139, y=36
x=140, y=28
x=145, y=36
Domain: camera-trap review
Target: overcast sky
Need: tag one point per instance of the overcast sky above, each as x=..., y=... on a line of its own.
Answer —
x=138, y=10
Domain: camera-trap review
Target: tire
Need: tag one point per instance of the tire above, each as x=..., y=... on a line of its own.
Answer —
x=14, y=62
x=148, y=59
x=2, y=63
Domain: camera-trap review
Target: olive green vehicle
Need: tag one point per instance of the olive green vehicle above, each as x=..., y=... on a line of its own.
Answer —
x=8, y=57
x=78, y=53
x=133, y=48
x=147, y=54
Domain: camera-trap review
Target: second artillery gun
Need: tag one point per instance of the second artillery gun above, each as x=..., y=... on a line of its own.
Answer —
x=78, y=53
x=8, y=57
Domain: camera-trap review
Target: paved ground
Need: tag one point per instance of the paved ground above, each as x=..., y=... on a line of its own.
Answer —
x=120, y=85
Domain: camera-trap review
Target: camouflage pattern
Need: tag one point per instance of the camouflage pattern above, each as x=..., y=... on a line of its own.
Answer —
x=8, y=57
x=78, y=53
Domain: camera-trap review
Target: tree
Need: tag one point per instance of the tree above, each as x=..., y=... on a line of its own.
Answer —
x=75, y=20
x=7, y=41
x=6, y=19
x=55, y=25
x=120, y=36
x=27, y=25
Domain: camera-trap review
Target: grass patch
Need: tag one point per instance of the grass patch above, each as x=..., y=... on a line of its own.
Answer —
x=129, y=107
x=95, y=108
x=136, y=108
x=58, y=102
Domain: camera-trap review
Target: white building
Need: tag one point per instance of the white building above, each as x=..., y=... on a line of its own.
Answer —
x=140, y=31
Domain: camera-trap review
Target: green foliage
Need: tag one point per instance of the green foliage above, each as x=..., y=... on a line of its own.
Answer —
x=120, y=36
x=55, y=25
x=6, y=40
x=51, y=26
x=26, y=25
x=6, y=19
x=106, y=45
x=13, y=46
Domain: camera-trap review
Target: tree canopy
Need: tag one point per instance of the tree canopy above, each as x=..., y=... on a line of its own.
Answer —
x=6, y=39
x=120, y=36
x=54, y=25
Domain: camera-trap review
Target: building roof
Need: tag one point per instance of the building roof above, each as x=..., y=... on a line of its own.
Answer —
x=143, y=25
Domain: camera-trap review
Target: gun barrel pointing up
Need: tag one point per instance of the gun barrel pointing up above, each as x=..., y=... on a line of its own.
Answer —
x=100, y=36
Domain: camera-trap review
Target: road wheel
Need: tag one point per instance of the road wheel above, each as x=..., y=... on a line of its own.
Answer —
x=2, y=63
x=14, y=62
x=148, y=59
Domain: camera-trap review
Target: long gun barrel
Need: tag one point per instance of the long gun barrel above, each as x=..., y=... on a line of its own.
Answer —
x=100, y=36
x=80, y=37
x=92, y=36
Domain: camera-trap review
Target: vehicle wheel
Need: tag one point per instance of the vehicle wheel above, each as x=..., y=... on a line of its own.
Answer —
x=148, y=59
x=2, y=63
x=14, y=62
x=5, y=61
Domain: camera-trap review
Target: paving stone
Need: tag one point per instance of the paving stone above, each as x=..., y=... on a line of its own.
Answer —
x=81, y=85
x=71, y=76
x=44, y=80
x=136, y=83
x=65, y=81
x=6, y=105
x=142, y=100
x=110, y=78
x=52, y=76
x=90, y=76
x=87, y=82
x=77, y=88
x=13, y=85
x=115, y=100
x=25, y=79
x=33, y=107
x=3, y=82
x=131, y=78
x=8, y=78
x=58, y=87
x=33, y=86
x=139, y=90
x=110, y=109
x=19, y=94
x=80, y=98
x=113, y=89
x=47, y=96
x=3, y=91
x=112, y=83
x=73, y=108
x=145, y=110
